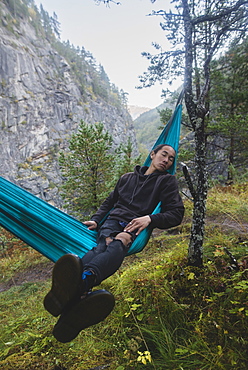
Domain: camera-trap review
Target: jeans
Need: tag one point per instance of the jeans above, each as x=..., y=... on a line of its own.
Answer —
x=105, y=259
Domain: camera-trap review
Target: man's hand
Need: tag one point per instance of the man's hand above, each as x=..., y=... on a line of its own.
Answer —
x=92, y=225
x=139, y=224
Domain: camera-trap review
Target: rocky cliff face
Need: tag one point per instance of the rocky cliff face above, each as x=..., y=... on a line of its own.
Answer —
x=41, y=105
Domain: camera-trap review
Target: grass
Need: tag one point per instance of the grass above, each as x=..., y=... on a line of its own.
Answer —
x=167, y=315
x=230, y=202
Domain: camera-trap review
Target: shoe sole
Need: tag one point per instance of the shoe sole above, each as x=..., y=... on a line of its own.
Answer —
x=91, y=310
x=66, y=278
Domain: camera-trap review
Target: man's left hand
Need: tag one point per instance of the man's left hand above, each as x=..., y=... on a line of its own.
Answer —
x=139, y=224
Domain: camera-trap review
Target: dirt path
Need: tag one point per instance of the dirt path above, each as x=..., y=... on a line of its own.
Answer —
x=229, y=224
x=33, y=274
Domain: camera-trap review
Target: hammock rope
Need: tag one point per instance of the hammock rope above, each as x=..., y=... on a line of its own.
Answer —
x=55, y=233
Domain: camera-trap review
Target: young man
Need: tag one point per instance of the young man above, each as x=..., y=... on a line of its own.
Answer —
x=129, y=208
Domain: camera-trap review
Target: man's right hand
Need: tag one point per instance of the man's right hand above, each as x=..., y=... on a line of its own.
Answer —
x=92, y=225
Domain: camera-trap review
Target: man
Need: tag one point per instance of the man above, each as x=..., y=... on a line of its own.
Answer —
x=129, y=208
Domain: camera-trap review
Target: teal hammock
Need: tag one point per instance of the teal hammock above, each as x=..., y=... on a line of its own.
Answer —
x=55, y=233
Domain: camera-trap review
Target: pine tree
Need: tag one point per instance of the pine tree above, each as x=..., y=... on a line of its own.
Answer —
x=87, y=169
x=125, y=161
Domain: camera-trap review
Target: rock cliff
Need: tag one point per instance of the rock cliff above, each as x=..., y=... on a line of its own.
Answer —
x=41, y=105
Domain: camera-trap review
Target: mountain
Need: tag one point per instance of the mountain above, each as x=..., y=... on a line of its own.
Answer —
x=135, y=111
x=148, y=125
x=46, y=88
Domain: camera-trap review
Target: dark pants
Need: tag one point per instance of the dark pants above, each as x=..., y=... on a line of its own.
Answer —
x=105, y=259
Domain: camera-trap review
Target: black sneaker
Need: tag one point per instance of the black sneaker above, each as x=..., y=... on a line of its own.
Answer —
x=90, y=310
x=66, y=284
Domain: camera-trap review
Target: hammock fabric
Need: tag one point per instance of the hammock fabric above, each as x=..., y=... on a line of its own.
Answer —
x=55, y=233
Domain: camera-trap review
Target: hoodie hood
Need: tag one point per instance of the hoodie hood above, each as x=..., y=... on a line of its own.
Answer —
x=140, y=180
x=141, y=170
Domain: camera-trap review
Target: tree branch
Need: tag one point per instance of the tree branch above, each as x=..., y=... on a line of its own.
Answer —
x=189, y=181
x=164, y=14
x=98, y=2
x=227, y=11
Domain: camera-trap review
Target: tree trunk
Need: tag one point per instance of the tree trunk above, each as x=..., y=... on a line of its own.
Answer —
x=196, y=114
x=195, y=251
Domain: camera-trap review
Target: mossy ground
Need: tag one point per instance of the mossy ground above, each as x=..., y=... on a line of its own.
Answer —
x=167, y=315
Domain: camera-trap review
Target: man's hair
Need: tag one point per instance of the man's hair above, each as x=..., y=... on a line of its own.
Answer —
x=159, y=147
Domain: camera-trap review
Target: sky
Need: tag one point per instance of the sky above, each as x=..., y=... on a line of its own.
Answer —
x=115, y=35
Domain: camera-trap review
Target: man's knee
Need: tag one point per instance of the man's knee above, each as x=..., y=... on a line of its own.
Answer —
x=124, y=237
x=108, y=240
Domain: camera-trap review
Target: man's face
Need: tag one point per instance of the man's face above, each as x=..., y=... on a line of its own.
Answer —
x=163, y=159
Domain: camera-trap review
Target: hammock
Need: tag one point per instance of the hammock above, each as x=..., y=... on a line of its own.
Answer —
x=55, y=233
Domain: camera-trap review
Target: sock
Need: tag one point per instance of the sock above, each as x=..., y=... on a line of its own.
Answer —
x=88, y=278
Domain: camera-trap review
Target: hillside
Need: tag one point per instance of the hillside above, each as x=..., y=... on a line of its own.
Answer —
x=148, y=124
x=168, y=316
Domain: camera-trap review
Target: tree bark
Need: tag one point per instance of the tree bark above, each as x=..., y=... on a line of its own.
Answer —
x=195, y=251
x=196, y=113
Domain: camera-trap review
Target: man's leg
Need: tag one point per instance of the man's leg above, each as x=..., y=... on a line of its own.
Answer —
x=108, y=261
x=100, y=248
x=73, y=277
x=97, y=305
x=99, y=259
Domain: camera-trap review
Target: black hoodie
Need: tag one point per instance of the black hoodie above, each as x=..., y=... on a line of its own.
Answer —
x=137, y=195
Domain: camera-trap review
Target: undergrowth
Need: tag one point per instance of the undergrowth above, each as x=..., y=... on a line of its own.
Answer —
x=167, y=315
